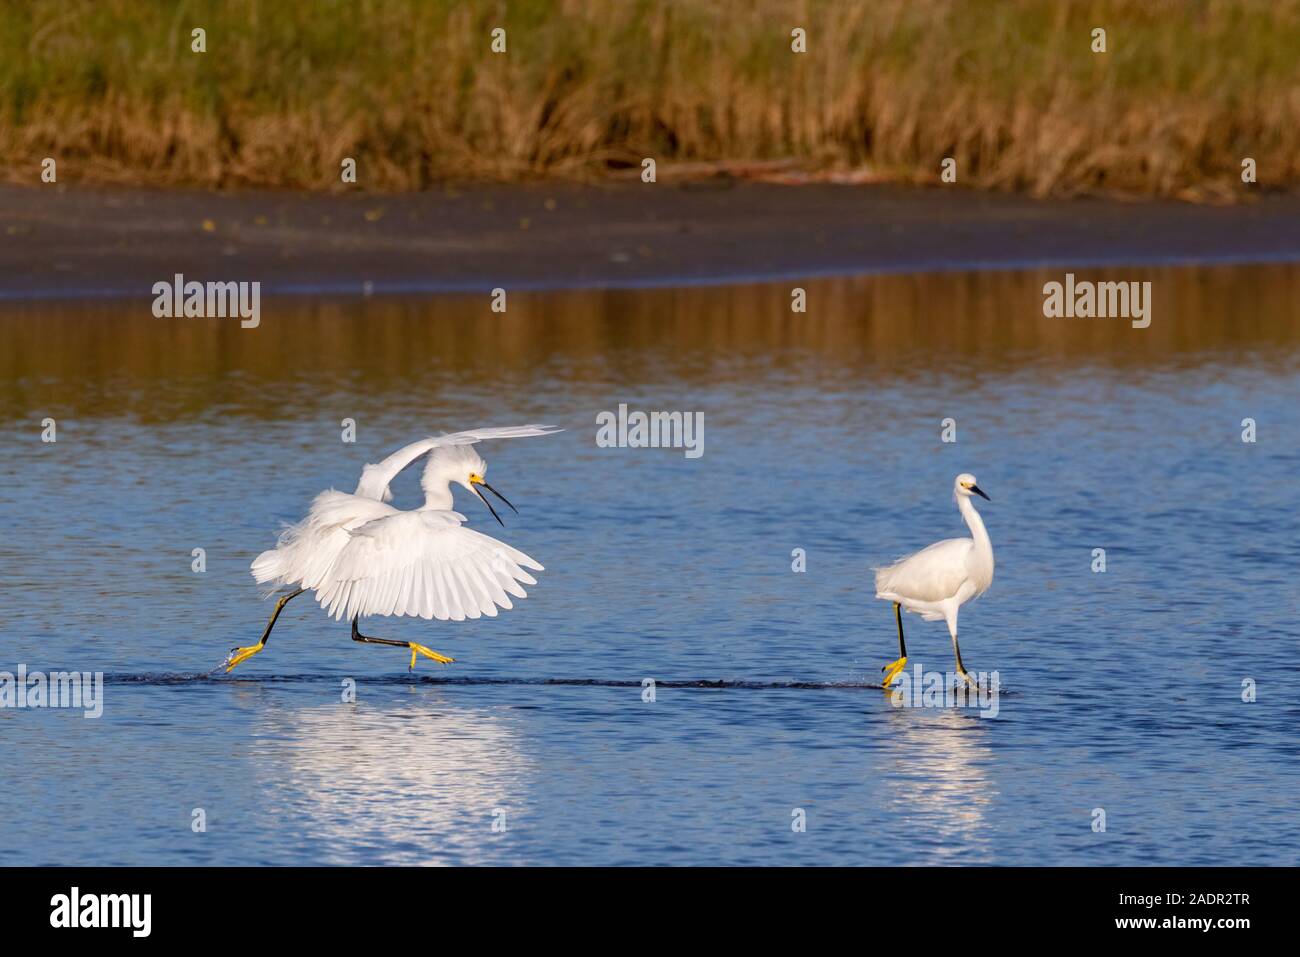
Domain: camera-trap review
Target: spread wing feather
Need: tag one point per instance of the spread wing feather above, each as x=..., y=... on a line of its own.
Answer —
x=376, y=477
x=424, y=564
x=306, y=550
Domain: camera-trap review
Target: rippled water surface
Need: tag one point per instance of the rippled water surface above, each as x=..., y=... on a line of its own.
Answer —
x=1122, y=690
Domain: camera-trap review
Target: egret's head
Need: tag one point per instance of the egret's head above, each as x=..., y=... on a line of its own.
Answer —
x=462, y=465
x=964, y=487
x=453, y=463
x=467, y=467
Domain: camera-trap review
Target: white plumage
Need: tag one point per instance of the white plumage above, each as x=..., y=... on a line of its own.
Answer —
x=361, y=556
x=306, y=550
x=424, y=564
x=924, y=581
x=936, y=581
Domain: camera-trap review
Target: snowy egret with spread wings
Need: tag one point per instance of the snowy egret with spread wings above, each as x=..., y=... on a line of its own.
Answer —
x=362, y=556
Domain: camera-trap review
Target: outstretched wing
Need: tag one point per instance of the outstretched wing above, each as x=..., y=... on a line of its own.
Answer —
x=375, y=478
x=307, y=549
x=424, y=564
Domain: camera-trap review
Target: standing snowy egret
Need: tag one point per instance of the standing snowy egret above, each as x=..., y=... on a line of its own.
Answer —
x=940, y=578
x=362, y=556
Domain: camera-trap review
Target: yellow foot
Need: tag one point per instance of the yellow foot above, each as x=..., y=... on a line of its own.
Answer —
x=970, y=680
x=892, y=669
x=238, y=655
x=428, y=653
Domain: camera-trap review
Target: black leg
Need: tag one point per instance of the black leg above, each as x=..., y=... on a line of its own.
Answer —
x=956, y=650
x=893, y=669
x=279, y=607
x=357, y=636
x=243, y=654
x=898, y=614
x=415, y=649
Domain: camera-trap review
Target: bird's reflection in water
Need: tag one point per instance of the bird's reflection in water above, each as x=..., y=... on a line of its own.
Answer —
x=938, y=784
x=411, y=779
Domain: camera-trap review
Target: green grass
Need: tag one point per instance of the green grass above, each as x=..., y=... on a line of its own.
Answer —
x=111, y=89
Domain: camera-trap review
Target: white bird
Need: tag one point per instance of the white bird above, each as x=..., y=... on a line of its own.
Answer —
x=940, y=578
x=362, y=556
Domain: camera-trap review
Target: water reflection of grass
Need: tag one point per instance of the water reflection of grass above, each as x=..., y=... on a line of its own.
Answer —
x=409, y=88
x=115, y=357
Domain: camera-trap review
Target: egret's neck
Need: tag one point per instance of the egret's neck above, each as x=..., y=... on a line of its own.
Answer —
x=979, y=534
x=437, y=493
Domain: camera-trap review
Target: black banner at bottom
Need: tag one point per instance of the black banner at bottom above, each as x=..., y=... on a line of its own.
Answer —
x=334, y=906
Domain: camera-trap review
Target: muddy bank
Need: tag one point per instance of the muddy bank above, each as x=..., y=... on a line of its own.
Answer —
x=80, y=242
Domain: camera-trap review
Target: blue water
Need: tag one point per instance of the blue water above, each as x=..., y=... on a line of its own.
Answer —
x=1121, y=690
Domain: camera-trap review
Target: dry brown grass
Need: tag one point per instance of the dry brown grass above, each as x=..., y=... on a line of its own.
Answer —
x=888, y=88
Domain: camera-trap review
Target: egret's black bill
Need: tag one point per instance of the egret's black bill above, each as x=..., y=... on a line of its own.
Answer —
x=978, y=491
x=483, y=498
x=500, y=496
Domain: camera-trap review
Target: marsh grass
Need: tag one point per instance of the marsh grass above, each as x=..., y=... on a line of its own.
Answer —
x=1009, y=89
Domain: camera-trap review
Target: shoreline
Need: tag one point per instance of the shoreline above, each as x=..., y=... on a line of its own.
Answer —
x=68, y=243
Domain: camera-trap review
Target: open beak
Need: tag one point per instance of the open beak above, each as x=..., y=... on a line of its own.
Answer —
x=490, y=508
x=498, y=495
x=478, y=480
x=980, y=492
